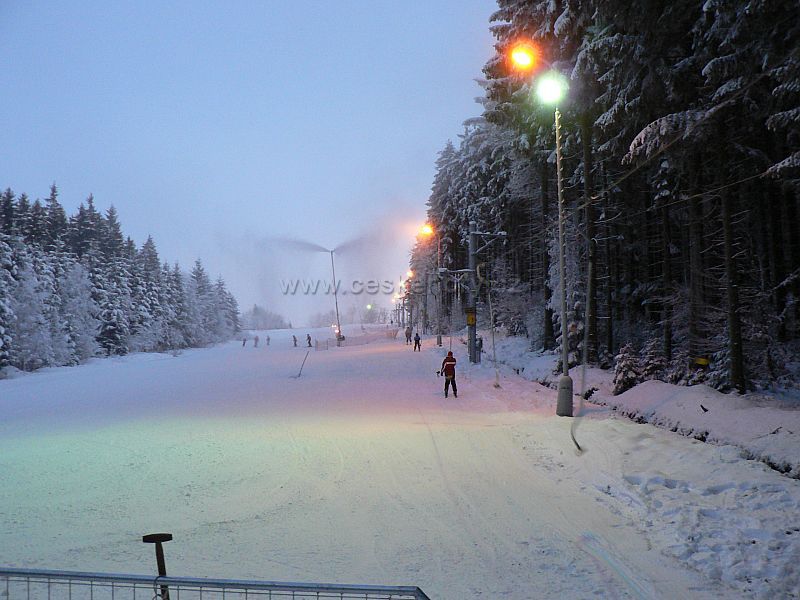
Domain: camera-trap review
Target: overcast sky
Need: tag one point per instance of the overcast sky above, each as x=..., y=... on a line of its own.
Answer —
x=214, y=127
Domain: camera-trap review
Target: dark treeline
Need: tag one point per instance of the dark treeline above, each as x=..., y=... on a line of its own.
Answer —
x=259, y=317
x=74, y=287
x=681, y=145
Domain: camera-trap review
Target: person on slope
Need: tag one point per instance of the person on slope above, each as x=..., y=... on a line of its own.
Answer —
x=308, y=339
x=408, y=335
x=417, y=345
x=294, y=340
x=449, y=372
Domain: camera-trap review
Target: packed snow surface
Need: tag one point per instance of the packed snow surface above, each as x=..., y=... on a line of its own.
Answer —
x=360, y=471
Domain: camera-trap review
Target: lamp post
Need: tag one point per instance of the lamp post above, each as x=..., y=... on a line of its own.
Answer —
x=472, y=294
x=551, y=88
x=428, y=230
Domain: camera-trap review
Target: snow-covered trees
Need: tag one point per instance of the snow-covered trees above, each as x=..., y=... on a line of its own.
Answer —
x=626, y=370
x=73, y=288
x=259, y=317
x=7, y=270
x=681, y=140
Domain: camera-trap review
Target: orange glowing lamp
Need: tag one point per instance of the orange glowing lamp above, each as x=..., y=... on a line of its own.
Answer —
x=523, y=56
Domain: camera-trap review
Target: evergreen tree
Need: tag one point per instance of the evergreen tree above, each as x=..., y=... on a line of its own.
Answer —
x=7, y=317
x=203, y=300
x=30, y=330
x=626, y=370
x=56, y=220
x=80, y=233
x=148, y=315
x=22, y=216
x=79, y=311
x=7, y=210
x=36, y=232
x=112, y=242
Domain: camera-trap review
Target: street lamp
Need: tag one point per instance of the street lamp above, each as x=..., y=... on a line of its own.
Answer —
x=551, y=89
x=427, y=231
x=524, y=56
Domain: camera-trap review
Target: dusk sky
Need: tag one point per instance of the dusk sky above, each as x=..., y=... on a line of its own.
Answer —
x=216, y=127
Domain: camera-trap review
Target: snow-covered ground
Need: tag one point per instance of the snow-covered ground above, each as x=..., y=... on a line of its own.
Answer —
x=764, y=426
x=360, y=471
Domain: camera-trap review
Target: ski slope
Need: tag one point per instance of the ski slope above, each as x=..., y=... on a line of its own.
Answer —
x=360, y=471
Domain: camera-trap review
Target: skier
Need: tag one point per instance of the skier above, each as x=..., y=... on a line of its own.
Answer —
x=244, y=341
x=417, y=345
x=408, y=335
x=308, y=339
x=449, y=372
x=267, y=340
x=294, y=339
x=255, y=342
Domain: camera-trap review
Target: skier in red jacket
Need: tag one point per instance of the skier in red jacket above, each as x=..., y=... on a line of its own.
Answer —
x=449, y=372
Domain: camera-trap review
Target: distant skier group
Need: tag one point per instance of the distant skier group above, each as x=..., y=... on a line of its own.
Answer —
x=256, y=339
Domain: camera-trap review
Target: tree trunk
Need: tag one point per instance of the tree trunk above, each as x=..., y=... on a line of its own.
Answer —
x=666, y=283
x=734, y=325
x=610, y=274
x=588, y=187
x=647, y=253
x=548, y=336
x=777, y=271
x=696, y=295
x=792, y=250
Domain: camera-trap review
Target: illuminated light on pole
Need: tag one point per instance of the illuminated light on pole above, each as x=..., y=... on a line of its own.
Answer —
x=551, y=88
x=427, y=230
x=523, y=56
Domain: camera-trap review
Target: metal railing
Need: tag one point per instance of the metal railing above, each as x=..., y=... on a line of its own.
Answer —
x=36, y=584
x=358, y=340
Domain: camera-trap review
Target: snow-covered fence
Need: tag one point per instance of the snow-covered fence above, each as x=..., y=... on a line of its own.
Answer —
x=36, y=584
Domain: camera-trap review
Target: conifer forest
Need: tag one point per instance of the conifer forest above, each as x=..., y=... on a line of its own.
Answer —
x=680, y=137
x=75, y=287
